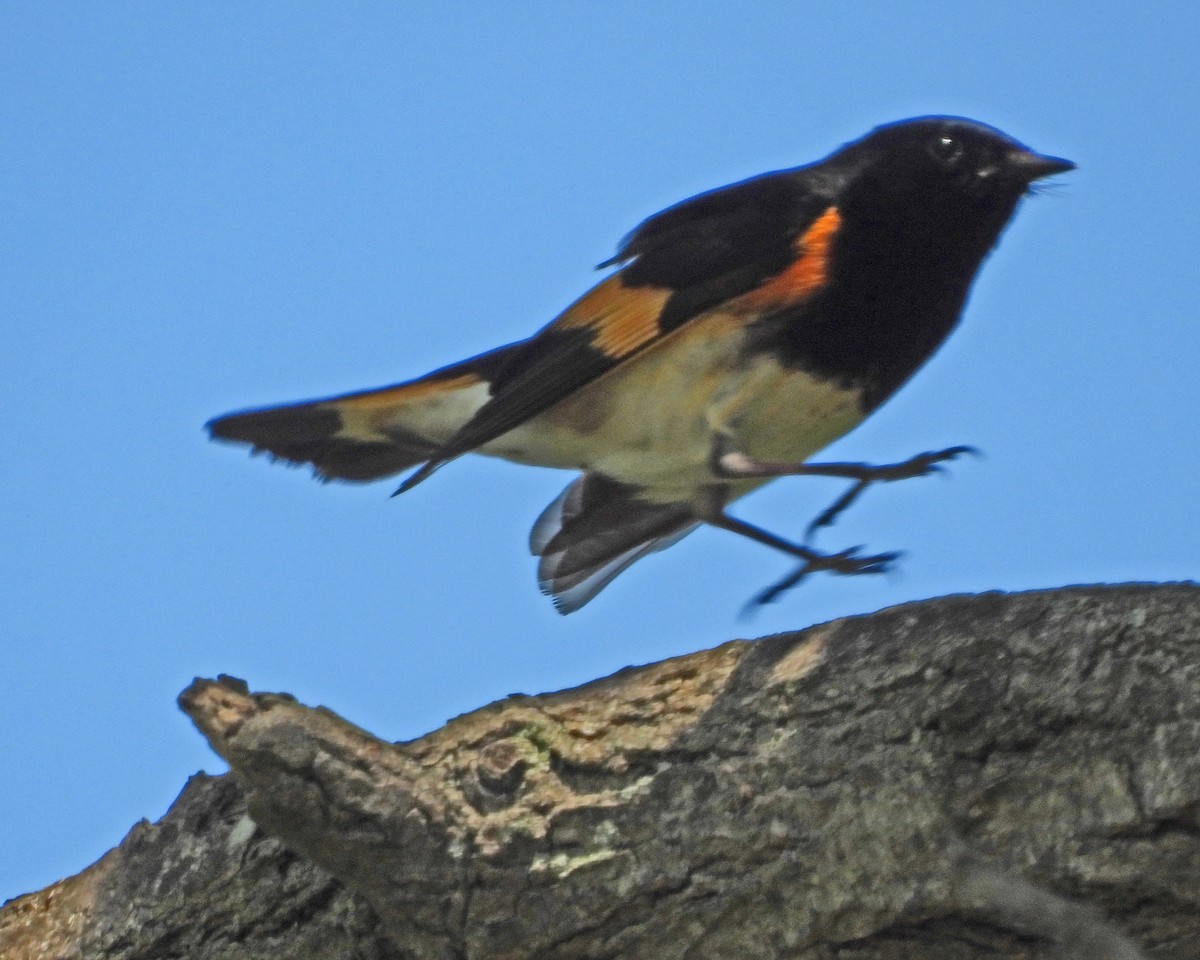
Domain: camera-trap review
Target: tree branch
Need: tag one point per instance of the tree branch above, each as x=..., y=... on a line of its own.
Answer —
x=985, y=776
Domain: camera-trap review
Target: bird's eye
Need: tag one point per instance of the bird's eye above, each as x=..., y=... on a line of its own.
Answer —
x=946, y=150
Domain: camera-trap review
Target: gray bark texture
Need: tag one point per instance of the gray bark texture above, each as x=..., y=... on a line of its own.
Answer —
x=993, y=776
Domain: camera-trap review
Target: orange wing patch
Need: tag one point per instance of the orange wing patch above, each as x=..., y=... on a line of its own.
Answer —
x=805, y=275
x=621, y=319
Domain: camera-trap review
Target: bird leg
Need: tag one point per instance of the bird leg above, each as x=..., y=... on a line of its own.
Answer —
x=847, y=562
x=731, y=464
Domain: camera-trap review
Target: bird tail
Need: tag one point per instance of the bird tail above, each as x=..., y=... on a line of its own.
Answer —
x=371, y=434
x=595, y=529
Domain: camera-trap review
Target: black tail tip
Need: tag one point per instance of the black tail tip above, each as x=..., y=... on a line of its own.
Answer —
x=280, y=425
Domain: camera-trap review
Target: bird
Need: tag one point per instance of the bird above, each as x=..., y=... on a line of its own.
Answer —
x=740, y=332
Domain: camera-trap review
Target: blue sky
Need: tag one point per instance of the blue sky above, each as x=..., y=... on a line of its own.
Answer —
x=208, y=206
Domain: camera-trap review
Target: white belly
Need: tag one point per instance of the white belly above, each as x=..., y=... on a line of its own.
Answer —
x=654, y=421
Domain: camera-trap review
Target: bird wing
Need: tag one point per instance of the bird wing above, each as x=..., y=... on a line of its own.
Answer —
x=752, y=247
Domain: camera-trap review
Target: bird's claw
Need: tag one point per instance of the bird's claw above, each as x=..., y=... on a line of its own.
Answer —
x=922, y=465
x=845, y=563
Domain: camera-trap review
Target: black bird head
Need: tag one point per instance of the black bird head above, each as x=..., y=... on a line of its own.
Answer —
x=947, y=153
x=939, y=175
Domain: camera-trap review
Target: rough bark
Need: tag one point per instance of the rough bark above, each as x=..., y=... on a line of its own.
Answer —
x=990, y=776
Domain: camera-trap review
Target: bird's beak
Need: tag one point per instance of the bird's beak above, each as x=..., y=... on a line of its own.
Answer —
x=1033, y=166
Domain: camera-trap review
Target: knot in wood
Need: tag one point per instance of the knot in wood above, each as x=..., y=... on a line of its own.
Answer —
x=501, y=767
